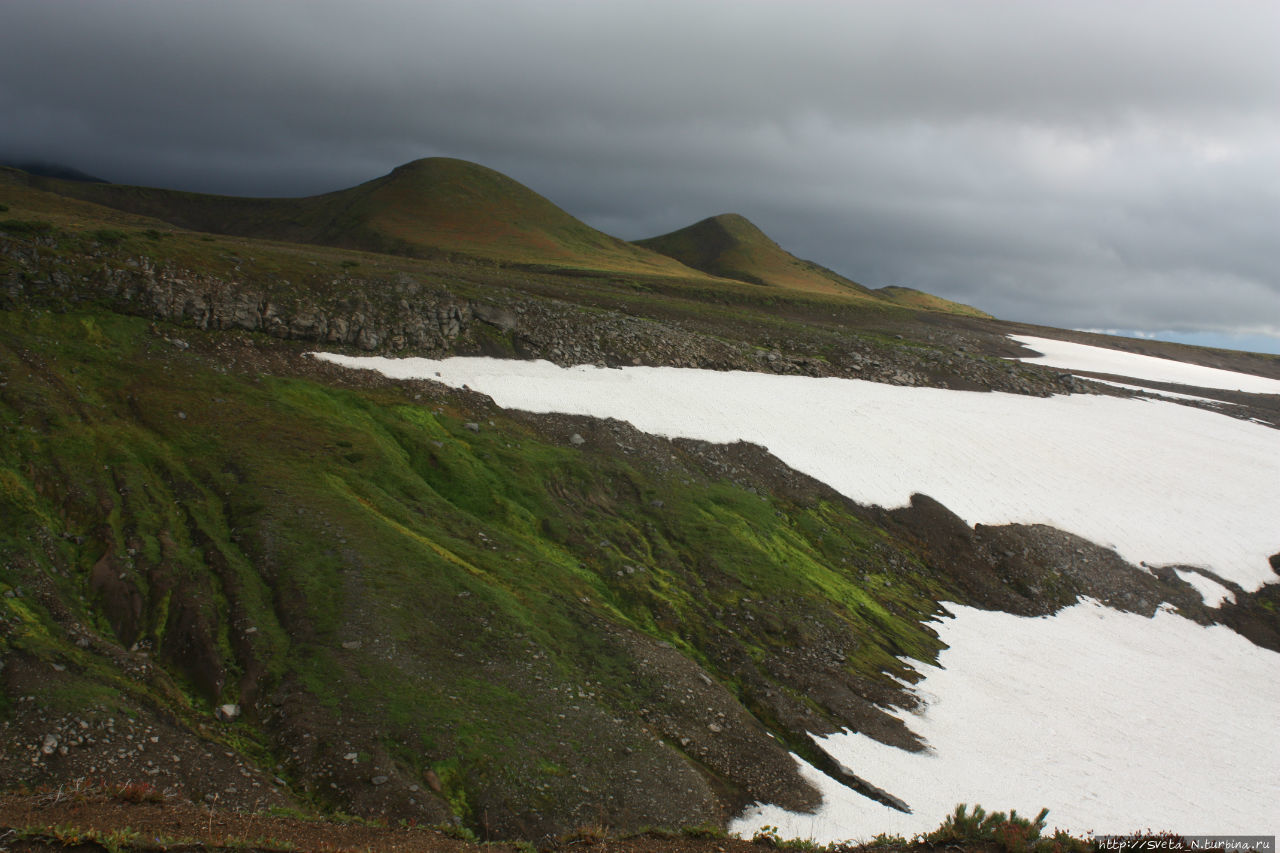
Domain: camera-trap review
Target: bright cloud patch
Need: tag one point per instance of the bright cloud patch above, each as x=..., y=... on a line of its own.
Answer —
x=1069, y=356
x=1113, y=721
x=1161, y=483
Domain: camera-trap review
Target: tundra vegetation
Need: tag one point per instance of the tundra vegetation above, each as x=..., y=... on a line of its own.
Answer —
x=245, y=579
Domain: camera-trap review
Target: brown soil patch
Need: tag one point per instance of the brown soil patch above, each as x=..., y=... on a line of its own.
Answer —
x=100, y=820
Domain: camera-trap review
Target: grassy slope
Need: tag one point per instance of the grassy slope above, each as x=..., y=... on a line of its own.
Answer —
x=732, y=247
x=817, y=324
x=438, y=595
x=911, y=298
x=451, y=209
x=430, y=208
x=488, y=577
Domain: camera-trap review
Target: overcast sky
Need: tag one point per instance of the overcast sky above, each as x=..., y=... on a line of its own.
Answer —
x=1088, y=163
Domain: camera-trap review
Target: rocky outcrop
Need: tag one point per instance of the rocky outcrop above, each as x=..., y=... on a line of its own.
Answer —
x=405, y=315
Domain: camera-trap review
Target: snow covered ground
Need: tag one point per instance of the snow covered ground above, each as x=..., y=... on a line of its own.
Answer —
x=1081, y=357
x=1113, y=721
x=1130, y=474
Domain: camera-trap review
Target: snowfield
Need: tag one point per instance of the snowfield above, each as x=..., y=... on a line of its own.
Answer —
x=1113, y=721
x=1069, y=356
x=1128, y=474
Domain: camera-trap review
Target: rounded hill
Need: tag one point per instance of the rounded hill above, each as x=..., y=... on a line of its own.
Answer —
x=731, y=246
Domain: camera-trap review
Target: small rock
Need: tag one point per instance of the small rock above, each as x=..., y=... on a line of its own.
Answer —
x=228, y=712
x=715, y=728
x=379, y=780
x=351, y=644
x=576, y=439
x=50, y=744
x=471, y=425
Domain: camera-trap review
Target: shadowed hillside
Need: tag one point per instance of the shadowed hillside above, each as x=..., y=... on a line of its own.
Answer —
x=434, y=208
x=731, y=246
x=453, y=210
x=248, y=579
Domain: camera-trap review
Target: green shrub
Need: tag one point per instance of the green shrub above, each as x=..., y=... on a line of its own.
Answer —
x=26, y=227
x=767, y=836
x=1010, y=833
x=109, y=236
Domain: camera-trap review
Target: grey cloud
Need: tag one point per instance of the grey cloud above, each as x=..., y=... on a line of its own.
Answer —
x=1085, y=163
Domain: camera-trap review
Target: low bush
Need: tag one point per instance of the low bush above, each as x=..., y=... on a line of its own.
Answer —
x=137, y=792
x=26, y=227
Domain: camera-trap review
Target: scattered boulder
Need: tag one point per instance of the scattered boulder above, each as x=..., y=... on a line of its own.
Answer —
x=502, y=318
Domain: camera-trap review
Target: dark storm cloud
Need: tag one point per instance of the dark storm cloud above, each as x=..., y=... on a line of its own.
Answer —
x=1085, y=163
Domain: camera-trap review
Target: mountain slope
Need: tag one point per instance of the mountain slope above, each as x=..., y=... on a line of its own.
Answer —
x=731, y=246
x=449, y=209
x=438, y=207
x=396, y=602
x=238, y=573
x=909, y=297
x=454, y=205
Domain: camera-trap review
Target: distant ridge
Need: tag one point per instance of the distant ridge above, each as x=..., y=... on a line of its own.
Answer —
x=731, y=246
x=909, y=297
x=455, y=210
x=427, y=208
x=53, y=170
x=455, y=205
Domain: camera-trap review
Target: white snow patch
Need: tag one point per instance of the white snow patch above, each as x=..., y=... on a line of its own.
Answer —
x=1211, y=592
x=1069, y=356
x=1112, y=721
x=1159, y=482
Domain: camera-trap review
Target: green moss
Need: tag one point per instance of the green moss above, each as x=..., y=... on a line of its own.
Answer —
x=407, y=573
x=75, y=694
